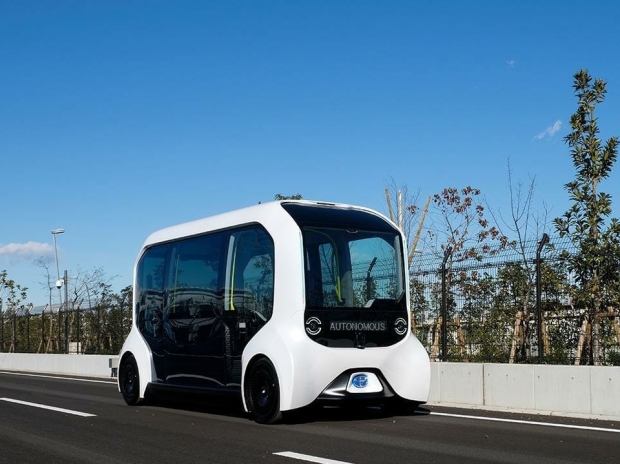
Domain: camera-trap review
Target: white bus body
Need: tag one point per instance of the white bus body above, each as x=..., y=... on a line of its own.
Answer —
x=286, y=304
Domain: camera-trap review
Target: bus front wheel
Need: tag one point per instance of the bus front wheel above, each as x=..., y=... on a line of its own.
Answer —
x=129, y=381
x=262, y=392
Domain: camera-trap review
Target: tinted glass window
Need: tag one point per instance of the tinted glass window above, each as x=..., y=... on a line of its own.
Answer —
x=323, y=215
x=194, y=290
x=195, y=277
x=354, y=287
x=350, y=268
x=150, y=291
x=375, y=270
x=250, y=289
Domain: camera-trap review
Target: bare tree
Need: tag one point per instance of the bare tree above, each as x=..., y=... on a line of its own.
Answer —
x=403, y=210
x=526, y=226
x=45, y=263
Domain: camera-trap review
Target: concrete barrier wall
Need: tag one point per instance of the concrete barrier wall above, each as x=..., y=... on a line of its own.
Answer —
x=509, y=385
x=605, y=390
x=582, y=391
x=558, y=388
x=67, y=364
x=460, y=383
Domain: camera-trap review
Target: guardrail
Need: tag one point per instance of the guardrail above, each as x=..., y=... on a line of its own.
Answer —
x=580, y=391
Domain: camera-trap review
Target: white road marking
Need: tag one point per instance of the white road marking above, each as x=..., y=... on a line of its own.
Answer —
x=328, y=461
x=516, y=421
x=51, y=408
x=57, y=377
x=309, y=458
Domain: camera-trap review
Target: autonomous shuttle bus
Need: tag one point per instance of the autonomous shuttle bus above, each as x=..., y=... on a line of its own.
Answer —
x=284, y=304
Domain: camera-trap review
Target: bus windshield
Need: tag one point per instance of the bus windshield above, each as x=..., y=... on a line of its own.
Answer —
x=351, y=268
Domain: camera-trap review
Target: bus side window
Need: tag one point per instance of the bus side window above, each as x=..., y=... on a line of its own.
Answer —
x=258, y=285
x=193, y=297
x=251, y=280
x=151, y=290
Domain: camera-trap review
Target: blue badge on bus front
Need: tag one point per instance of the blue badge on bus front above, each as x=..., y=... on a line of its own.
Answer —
x=360, y=381
x=364, y=382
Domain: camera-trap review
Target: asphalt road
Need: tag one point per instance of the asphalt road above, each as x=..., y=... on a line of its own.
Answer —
x=108, y=431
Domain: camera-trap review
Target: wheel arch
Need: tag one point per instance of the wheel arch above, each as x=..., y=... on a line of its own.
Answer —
x=281, y=359
x=248, y=367
x=136, y=346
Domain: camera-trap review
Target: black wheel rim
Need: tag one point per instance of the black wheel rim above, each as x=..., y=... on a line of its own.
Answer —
x=263, y=393
x=129, y=380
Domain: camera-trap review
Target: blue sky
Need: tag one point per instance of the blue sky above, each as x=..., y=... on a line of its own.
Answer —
x=118, y=118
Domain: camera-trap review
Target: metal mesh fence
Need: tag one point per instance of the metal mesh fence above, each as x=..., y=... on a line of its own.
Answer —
x=492, y=310
x=86, y=331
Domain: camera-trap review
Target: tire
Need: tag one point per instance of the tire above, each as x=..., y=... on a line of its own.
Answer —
x=262, y=392
x=129, y=381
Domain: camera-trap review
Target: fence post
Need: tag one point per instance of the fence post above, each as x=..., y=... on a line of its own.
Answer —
x=543, y=241
x=59, y=324
x=98, y=327
x=14, y=343
x=28, y=331
x=120, y=338
x=67, y=313
x=444, y=306
x=1, y=327
x=42, y=342
x=79, y=344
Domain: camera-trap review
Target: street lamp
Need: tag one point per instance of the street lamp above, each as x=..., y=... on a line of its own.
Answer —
x=59, y=284
x=58, y=281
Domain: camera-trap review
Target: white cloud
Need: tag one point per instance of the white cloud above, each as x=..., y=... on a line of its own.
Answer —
x=16, y=252
x=550, y=131
x=511, y=63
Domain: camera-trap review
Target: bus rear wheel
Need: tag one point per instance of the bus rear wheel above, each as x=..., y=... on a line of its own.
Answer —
x=129, y=381
x=262, y=392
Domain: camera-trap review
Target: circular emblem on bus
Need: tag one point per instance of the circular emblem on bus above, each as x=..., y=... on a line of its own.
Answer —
x=400, y=326
x=360, y=381
x=313, y=326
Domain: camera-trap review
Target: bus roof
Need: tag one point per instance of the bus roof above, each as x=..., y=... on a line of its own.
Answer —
x=261, y=213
